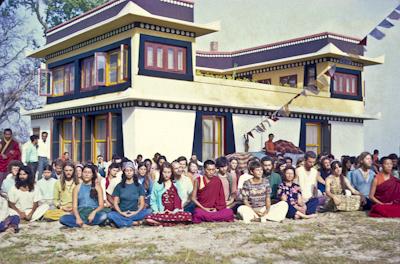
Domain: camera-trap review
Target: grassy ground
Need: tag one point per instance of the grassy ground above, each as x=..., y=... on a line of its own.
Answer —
x=331, y=238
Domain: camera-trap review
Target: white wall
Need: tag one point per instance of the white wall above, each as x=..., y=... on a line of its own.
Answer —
x=285, y=129
x=147, y=131
x=346, y=138
x=45, y=126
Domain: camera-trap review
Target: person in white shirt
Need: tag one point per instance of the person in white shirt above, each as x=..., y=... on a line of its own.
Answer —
x=185, y=184
x=46, y=187
x=9, y=181
x=43, y=153
x=7, y=221
x=24, y=198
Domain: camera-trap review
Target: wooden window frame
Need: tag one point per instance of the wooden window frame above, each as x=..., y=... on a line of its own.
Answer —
x=319, y=139
x=84, y=85
x=67, y=73
x=95, y=133
x=219, y=125
x=155, y=46
x=344, y=77
x=63, y=140
x=288, y=76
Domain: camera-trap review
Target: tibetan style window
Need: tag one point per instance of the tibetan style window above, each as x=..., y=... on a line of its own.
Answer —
x=345, y=84
x=288, y=81
x=213, y=128
x=58, y=81
x=265, y=81
x=165, y=58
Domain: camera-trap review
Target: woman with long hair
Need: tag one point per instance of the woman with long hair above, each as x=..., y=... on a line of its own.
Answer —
x=87, y=201
x=62, y=197
x=129, y=200
x=342, y=196
x=145, y=180
x=166, y=201
x=193, y=170
x=24, y=198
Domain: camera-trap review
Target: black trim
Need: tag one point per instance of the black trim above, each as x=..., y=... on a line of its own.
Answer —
x=357, y=97
x=98, y=90
x=188, y=76
x=302, y=143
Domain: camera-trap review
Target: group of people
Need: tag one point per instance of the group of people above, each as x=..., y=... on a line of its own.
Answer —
x=125, y=193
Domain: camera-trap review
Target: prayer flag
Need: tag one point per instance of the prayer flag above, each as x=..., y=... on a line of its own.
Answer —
x=376, y=33
x=394, y=15
x=386, y=24
x=250, y=134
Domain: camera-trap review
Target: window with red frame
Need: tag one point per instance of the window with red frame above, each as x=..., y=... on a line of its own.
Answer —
x=87, y=74
x=166, y=58
x=345, y=84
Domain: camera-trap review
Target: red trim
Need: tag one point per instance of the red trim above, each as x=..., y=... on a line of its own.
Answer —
x=345, y=77
x=276, y=43
x=165, y=48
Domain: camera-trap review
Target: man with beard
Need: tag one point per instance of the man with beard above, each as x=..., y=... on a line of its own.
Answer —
x=273, y=177
x=9, y=150
x=363, y=177
x=185, y=184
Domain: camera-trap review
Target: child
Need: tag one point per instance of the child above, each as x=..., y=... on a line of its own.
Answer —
x=166, y=202
x=24, y=197
x=46, y=187
x=7, y=221
x=87, y=201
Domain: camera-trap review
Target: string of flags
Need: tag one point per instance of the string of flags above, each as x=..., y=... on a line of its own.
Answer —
x=385, y=23
x=284, y=110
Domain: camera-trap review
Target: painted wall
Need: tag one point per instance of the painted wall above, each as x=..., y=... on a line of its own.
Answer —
x=285, y=129
x=147, y=131
x=347, y=138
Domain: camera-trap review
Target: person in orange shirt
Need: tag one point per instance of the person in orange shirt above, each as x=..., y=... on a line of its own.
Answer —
x=270, y=146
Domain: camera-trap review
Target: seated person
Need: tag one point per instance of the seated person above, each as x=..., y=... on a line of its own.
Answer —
x=274, y=178
x=342, y=196
x=385, y=192
x=270, y=146
x=290, y=192
x=9, y=181
x=146, y=181
x=166, y=202
x=7, y=221
x=62, y=195
x=23, y=198
x=109, y=183
x=257, y=201
x=209, y=198
x=222, y=164
x=185, y=185
x=87, y=201
x=129, y=204
x=46, y=187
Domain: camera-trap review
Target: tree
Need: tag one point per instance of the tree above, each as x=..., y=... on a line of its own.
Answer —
x=17, y=76
x=50, y=13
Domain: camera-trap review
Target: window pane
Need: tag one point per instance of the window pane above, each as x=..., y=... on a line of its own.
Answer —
x=78, y=129
x=113, y=68
x=348, y=88
x=311, y=135
x=113, y=147
x=353, y=86
x=68, y=147
x=78, y=151
x=208, y=130
x=114, y=128
x=150, y=58
x=101, y=149
x=101, y=68
x=180, y=60
x=58, y=79
x=101, y=129
x=170, y=59
x=159, y=57
x=314, y=149
x=67, y=131
x=71, y=78
x=208, y=151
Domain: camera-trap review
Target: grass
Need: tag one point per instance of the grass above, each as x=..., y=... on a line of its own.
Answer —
x=299, y=242
x=261, y=239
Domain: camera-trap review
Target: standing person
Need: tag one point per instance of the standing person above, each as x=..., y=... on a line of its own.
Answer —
x=23, y=198
x=145, y=180
x=363, y=177
x=62, y=195
x=129, y=204
x=9, y=150
x=32, y=155
x=324, y=171
x=290, y=192
x=270, y=146
x=87, y=202
x=385, y=192
x=342, y=196
x=46, y=187
x=43, y=153
x=273, y=178
x=209, y=198
x=9, y=181
x=308, y=178
x=7, y=221
x=256, y=194
x=166, y=201
x=185, y=184
x=230, y=189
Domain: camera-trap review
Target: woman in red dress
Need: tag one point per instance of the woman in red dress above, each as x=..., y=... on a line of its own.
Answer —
x=165, y=201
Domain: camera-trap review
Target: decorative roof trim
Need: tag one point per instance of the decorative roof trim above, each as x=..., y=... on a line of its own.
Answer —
x=192, y=107
x=276, y=45
x=189, y=4
x=119, y=31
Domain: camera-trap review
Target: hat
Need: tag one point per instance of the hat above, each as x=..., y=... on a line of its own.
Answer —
x=128, y=164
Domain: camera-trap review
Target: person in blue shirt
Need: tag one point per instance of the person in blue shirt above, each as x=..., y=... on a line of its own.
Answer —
x=129, y=200
x=363, y=177
x=145, y=180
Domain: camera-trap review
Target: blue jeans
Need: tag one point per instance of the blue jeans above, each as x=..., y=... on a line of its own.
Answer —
x=43, y=162
x=189, y=208
x=69, y=220
x=122, y=221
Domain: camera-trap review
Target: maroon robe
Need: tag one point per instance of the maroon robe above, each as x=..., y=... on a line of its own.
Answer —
x=212, y=196
x=387, y=192
x=11, y=151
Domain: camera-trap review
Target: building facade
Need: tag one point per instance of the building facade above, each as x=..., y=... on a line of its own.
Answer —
x=125, y=78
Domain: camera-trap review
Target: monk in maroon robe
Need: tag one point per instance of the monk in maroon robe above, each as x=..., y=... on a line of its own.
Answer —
x=9, y=150
x=385, y=192
x=208, y=195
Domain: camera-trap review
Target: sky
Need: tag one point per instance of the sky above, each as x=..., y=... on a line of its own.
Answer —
x=248, y=23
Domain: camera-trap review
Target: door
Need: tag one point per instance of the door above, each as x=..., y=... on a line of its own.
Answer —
x=213, y=128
